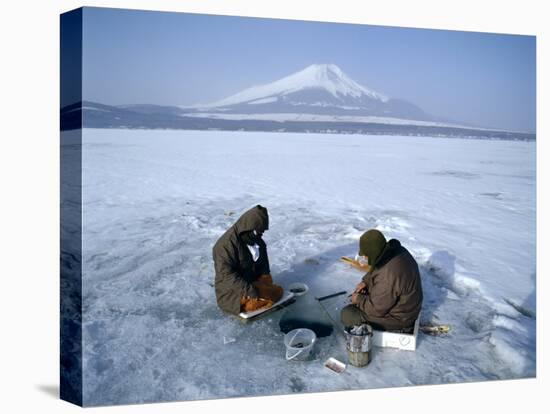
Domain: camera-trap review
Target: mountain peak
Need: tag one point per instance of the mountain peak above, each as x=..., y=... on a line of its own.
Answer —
x=323, y=69
x=330, y=77
x=323, y=76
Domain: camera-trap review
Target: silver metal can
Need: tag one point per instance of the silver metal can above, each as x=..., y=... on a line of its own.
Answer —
x=359, y=344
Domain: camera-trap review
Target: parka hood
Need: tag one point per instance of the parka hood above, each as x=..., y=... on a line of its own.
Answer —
x=254, y=219
x=393, y=247
x=371, y=244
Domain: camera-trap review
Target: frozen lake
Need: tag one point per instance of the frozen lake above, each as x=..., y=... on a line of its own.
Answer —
x=156, y=201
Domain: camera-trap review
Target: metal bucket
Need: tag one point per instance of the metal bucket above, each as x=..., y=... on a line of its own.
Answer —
x=359, y=344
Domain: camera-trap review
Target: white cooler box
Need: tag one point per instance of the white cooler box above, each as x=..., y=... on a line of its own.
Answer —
x=406, y=342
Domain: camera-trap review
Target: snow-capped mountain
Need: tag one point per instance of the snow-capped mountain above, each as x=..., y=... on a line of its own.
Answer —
x=327, y=78
x=319, y=98
x=322, y=89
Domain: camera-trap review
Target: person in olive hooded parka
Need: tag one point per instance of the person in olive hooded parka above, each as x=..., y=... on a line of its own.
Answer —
x=389, y=296
x=243, y=281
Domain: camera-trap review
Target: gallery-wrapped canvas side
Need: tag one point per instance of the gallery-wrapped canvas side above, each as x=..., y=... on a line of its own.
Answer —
x=71, y=207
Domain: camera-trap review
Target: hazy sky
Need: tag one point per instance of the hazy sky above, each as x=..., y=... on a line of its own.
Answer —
x=182, y=59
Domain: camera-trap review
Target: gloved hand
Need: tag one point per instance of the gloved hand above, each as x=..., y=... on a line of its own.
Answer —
x=271, y=292
x=266, y=279
x=252, y=304
x=355, y=297
x=362, y=286
x=267, y=289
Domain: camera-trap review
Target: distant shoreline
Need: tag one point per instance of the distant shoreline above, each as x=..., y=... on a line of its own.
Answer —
x=93, y=115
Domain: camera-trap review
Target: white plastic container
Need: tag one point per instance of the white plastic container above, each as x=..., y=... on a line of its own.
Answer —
x=299, y=343
x=335, y=366
x=402, y=341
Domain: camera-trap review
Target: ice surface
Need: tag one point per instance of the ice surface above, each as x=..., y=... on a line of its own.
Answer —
x=156, y=201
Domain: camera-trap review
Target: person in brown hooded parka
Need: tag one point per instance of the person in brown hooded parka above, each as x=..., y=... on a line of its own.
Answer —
x=243, y=282
x=389, y=296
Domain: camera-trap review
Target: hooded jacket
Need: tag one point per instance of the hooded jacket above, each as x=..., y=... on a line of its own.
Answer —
x=235, y=269
x=394, y=289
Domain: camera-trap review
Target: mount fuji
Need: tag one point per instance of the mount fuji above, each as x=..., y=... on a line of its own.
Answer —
x=319, y=89
x=320, y=98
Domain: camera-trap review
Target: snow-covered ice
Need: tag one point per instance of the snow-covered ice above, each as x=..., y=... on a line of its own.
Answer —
x=155, y=202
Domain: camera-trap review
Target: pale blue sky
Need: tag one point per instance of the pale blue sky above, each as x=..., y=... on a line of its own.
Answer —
x=180, y=59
